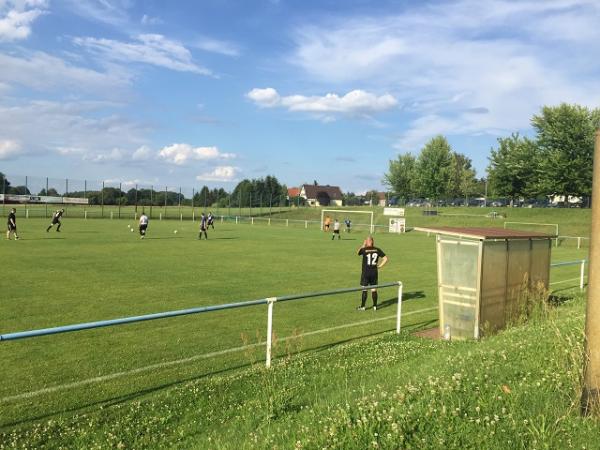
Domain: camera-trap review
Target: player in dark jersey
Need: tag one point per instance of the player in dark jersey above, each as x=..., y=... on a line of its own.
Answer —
x=348, y=223
x=210, y=220
x=11, y=224
x=56, y=220
x=373, y=258
x=203, y=226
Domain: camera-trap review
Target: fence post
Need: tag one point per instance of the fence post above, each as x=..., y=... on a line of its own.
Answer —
x=270, y=302
x=252, y=218
x=306, y=224
x=269, y=221
x=582, y=274
x=287, y=222
x=399, y=312
x=111, y=215
x=578, y=242
x=159, y=216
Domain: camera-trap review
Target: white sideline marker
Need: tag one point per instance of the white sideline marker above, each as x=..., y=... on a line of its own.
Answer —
x=112, y=376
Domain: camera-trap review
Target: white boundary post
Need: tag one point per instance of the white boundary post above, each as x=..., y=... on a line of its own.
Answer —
x=269, y=221
x=221, y=219
x=181, y=217
x=582, y=274
x=306, y=224
x=111, y=215
x=236, y=220
x=287, y=222
x=85, y=214
x=270, y=302
x=399, y=312
x=27, y=214
x=252, y=220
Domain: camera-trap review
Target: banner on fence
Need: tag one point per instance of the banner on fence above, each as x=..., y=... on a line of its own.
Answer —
x=42, y=199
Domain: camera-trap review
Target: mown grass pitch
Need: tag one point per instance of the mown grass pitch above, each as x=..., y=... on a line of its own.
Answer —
x=97, y=269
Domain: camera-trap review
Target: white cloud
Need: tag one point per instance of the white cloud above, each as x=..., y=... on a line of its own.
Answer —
x=442, y=61
x=112, y=12
x=17, y=16
x=9, y=149
x=143, y=153
x=26, y=71
x=148, y=20
x=217, y=46
x=116, y=154
x=355, y=102
x=219, y=173
x=74, y=129
x=154, y=49
x=180, y=154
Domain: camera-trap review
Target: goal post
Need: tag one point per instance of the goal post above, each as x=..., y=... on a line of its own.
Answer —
x=342, y=212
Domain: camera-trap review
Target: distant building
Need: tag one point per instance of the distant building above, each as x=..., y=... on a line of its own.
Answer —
x=382, y=199
x=293, y=193
x=316, y=195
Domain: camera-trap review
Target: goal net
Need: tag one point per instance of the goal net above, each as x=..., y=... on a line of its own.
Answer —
x=359, y=220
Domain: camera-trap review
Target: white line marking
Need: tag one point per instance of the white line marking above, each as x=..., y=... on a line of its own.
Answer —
x=176, y=362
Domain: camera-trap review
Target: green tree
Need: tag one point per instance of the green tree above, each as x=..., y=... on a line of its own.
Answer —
x=565, y=137
x=433, y=168
x=462, y=177
x=401, y=174
x=51, y=192
x=4, y=184
x=514, y=168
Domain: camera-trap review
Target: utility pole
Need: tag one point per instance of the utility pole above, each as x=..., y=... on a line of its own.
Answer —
x=590, y=397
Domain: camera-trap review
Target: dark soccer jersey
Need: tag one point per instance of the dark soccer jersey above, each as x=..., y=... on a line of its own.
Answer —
x=57, y=215
x=370, y=259
x=12, y=218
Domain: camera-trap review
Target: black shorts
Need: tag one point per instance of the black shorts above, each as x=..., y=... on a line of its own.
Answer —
x=55, y=221
x=369, y=279
x=143, y=227
x=12, y=227
x=336, y=231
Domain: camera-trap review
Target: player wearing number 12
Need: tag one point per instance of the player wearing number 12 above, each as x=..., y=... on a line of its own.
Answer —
x=373, y=259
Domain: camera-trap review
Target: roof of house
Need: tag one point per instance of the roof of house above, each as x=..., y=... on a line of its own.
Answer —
x=484, y=233
x=312, y=191
x=381, y=195
x=293, y=192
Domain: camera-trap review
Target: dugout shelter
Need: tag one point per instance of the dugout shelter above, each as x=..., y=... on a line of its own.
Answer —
x=482, y=275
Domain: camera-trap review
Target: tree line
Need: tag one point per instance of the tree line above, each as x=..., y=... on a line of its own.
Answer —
x=558, y=160
x=248, y=192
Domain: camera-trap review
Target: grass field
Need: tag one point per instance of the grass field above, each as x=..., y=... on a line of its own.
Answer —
x=97, y=269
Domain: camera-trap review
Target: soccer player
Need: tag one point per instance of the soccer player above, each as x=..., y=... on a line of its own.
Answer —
x=348, y=224
x=336, y=230
x=203, y=226
x=56, y=220
x=210, y=220
x=143, y=225
x=12, y=224
x=373, y=258
x=327, y=223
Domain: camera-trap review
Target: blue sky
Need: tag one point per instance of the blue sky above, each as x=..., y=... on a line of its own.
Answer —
x=214, y=91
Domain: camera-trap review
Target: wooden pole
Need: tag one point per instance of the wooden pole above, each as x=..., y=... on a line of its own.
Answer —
x=590, y=397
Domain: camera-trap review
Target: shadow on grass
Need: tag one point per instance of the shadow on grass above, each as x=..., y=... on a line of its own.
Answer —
x=118, y=399
x=405, y=297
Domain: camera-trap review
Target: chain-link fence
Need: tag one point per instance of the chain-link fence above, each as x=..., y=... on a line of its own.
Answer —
x=90, y=199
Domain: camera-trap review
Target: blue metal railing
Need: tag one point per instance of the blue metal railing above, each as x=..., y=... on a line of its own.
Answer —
x=176, y=313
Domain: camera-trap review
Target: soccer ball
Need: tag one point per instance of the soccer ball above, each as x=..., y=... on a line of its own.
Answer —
x=175, y=231
x=131, y=229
